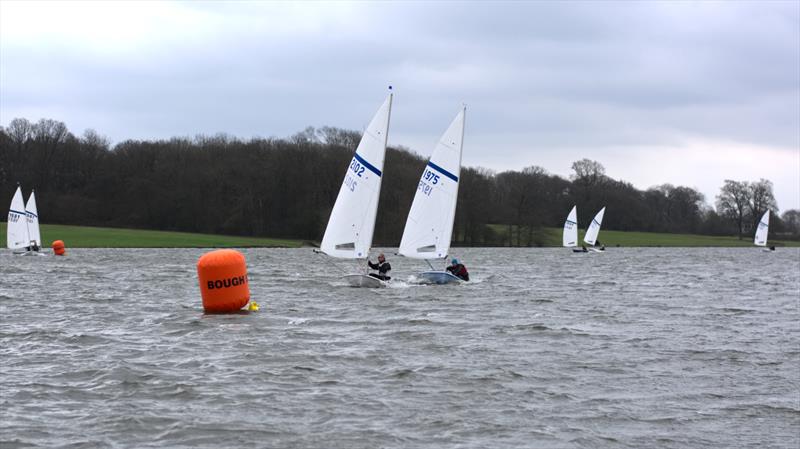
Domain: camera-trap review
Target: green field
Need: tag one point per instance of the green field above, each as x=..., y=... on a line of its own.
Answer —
x=552, y=237
x=90, y=237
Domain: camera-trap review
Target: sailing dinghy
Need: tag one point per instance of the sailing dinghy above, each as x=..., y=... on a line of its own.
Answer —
x=570, y=237
x=594, y=230
x=352, y=221
x=429, y=225
x=22, y=231
x=762, y=231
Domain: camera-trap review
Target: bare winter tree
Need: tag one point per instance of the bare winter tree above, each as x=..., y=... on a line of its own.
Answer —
x=761, y=199
x=733, y=203
x=588, y=172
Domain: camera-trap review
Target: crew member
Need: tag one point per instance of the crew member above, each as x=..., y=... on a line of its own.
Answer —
x=458, y=270
x=382, y=266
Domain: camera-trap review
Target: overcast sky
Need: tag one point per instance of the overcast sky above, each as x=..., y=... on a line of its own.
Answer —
x=688, y=93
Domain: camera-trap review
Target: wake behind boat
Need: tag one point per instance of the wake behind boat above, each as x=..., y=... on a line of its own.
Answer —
x=352, y=220
x=429, y=226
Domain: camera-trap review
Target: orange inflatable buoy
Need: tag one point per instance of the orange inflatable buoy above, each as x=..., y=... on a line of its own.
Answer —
x=58, y=248
x=223, y=281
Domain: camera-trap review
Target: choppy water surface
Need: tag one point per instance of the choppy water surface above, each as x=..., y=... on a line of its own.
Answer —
x=631, y=348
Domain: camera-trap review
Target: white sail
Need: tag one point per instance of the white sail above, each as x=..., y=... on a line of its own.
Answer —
x=762, y=231
x=33, y=220
x=429, y=226
x=352, y=220
x=17, y=230
x=594, y=228
x=571, y=228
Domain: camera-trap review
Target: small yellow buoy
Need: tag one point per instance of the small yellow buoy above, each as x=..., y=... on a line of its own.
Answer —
x=223, y=281
x=253, y=307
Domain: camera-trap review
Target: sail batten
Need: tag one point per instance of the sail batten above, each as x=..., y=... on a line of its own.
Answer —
x=429, y=226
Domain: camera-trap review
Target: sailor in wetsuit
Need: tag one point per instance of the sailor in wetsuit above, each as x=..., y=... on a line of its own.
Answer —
x=458, y=270
x=382, y=266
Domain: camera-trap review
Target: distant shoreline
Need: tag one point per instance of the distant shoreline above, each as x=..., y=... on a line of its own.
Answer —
x=103, y=237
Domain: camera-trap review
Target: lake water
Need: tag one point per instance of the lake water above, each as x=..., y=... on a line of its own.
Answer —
x=657, y=348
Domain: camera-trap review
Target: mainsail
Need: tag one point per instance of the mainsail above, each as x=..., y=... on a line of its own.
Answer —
x=17, y=231
x=429, y=226
x=571, y=228
x=352, y=221
x=594, y=228
x=33, y=220
x=762, y=231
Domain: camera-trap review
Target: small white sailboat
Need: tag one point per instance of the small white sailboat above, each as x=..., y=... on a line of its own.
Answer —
x=352, y=220
x=762, y=231
x=570, y=236
x=34, y=234
x=22, y=231
x=429, y=226
x=17, y=230
x=594, y=229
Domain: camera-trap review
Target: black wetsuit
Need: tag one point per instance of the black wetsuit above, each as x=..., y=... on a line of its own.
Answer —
x=459, y=271
x=383, y=270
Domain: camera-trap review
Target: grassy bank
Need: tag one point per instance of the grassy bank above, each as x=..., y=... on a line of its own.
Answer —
x=552, y=237
x=91, y=237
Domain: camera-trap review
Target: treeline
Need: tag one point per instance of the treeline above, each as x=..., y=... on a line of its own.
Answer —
x=286, y=188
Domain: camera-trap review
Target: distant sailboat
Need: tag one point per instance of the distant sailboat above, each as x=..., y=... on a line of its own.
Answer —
x=22, y=231
x=17, y=229
x=352, y=221
x=34, y=234
x=429, y=226
x=594, y=229
x=570, y=238
x=762, y=231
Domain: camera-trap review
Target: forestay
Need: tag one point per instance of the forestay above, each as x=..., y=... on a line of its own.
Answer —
x=594, y=228
x=571, y=228
x=33, y=220
x=762, y=231
x=17, y=230
x=352, y=220
x=429, y=225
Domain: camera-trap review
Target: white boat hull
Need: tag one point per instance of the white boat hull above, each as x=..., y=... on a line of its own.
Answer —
x=29, y=253
x=364, y=281
x=438, y=278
